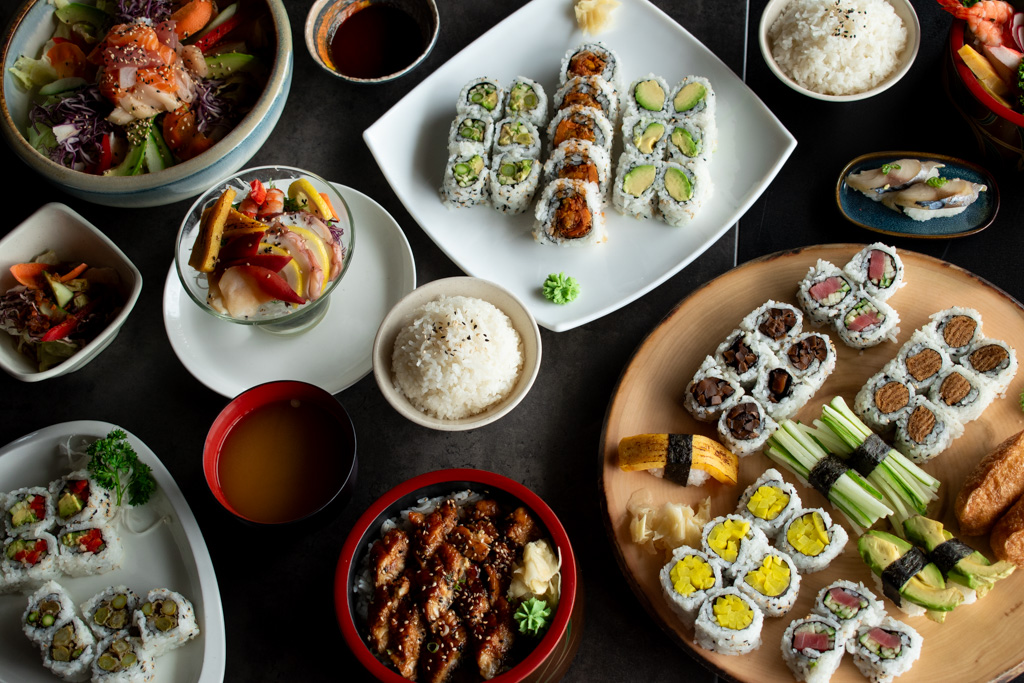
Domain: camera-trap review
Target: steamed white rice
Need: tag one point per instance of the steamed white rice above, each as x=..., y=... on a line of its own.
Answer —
x=458, y=357
x=838, y=47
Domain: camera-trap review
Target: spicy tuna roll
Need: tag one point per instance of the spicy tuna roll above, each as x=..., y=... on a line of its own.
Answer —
x=569, y=213
x=682, y=190
x=711, y=392
x=867, y=322
x=165, y=620
x=686, y=581
x=824, y=291
x=850, y=605
x=47, y=607
x=28, y=511
x=771, y=579
x=745, y=427
x=591, y=59
x=110, y=610
x=69, y=652
x=589, y=91
x=769, y=502
x=526, y=98
x=878, y=269
x=993, y=360
x=922, y=358
x=812, y=540
x=580, y=123
x=885, y=650
x=884, y=397
x=775, y=321
x=481, y=98
x=957, y=329
x=580, y=160
x=513, y=181
x=728, y=623
x=813, y=648
x=925, y=430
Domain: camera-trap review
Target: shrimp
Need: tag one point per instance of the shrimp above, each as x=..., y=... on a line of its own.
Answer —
x=987, y=19
x=273, y=204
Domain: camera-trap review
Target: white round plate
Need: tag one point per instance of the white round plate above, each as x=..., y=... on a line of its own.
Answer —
x=335, y=354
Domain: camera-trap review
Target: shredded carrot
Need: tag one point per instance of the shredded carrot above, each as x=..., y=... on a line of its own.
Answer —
x=30, y=274
x=330, y=206
x=192, y=17
x=73, y=273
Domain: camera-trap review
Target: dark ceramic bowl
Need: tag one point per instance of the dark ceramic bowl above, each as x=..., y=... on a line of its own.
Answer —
x=552, y=656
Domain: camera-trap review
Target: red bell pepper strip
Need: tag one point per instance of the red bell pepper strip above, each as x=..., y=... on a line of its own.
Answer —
x=106, y=159
x=70, y=323
x=215, y=35
x=257, y=192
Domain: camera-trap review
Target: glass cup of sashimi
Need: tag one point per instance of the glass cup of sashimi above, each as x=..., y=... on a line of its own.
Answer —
x=266, y=247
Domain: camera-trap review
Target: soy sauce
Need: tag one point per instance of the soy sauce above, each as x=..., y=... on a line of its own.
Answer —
x=374, y=41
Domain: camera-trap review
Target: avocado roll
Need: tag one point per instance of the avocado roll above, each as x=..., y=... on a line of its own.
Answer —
x=771, y=579
x=77, y=497
x=810, y=356
x=28, y=511
x=682, y=190
x=686, y=581
x=465, y=181
x=812, y=540
x=824, y=291
x=780, y=391
x=711, y=392
x=589, y=91
x=745, y=427
x=481, y=98
x=635, y=190
x=878, y=269
x=166, y=620
x=850, y=605
x=685, y=140
x=69, y=652
x=905, y=575
x=993, y=360
x=570, y=214
x=925, y=430
x=87, y=549
x=956, y=329
x=647, y=96
x=776, y=323
x=580, y=123
x=693, y=98
x=121, y=658
x=769, y=502
x=922, y=358
x=514, y=180
x=813, y=648
x=580, y=160
x=516, y=135
x=469, y=136
x=958, y=562
x=49, y=606
x=865, y=322
x=885, y=650
x=645, y=136
x=729, y=540
x=590, y=59
x=110, y=611
x=526, y=98
x=884, y=397
x=962, y=393
x=28, y=561
x=728, y=623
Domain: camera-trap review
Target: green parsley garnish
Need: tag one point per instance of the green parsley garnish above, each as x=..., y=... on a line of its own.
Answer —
x=561, y=289
x=937, y=181
x=886, y=168
x=533, y=616
x=115, y=465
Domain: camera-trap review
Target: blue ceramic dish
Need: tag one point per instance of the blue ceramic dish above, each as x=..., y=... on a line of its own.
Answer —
x=31, y=26
x=877, y=217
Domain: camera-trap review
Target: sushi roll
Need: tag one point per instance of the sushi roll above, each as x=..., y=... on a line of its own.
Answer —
x=694, y=98
x=745, y=427
x=769, y=502
x=121, y=658
x=514, y=181
x=110, y=611
x=635, y=190
x=682, y=191
x=885, y=650
x=729, y=540
x=867, y=322
x=922, y=359
x=686, y=141
x=812, y=540
x=47, y=607
x=28, y=561
x=993, y=360
x=589, y=91
x=905, y=576
x=569, y=214
x=685, y=459
x=69, y=652
x=962, y=393
x=590, y=59
x=518, y=136
x=580, y=123
x=742, y=356
x=811, y=357
x=686, y=581
x=481, y=98
x=850, y=604
x=28, y=511
x=711, y=392
x=88, y=549
x=647, y=96
x=77, y=497
x=771, y=579
x=957, y=329
x=526, y=98
x=465, y=181
x=813, y=648
x=824, y=291
x=884, y=397
x=780, y=391
x=580, y=160
x=645, y=136
x=468, y=136
x=776, y=322
x=925, y=430
x=166, y=620
x=728, y=623
x=878, y=269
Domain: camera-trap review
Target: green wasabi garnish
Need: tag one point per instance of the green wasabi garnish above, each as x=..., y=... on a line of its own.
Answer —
x=561, y=289
x=937, y=182
x=887, y=168
x=533, y=616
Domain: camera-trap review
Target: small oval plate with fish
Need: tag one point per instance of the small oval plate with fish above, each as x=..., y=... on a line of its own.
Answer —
x=914, y=194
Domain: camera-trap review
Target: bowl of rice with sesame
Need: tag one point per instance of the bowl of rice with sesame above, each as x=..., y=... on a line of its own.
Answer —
x=839, y=50
x=456, y=354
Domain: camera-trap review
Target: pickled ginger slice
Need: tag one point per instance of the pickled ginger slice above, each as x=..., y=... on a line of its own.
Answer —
x=936, y=198
x=875, y=183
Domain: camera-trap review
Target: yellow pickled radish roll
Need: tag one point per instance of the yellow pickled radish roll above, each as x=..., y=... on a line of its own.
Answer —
x=812, y=540
x=730, y=539
x=728, y=623
x=771, y=579
x=769, y=502
x=686, y=580
x=686, y=459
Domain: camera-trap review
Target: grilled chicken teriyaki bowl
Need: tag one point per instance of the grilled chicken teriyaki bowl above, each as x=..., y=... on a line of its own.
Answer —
x=454, y=576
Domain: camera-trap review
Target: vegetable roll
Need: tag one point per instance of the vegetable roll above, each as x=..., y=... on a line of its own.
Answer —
x=993, y=360
x=514, y=180
x=728, y=623
x=769, y=502
x=922, y=358
x=70, y=651
x=590, y=59
x=780, y=391
x=686, y=581
x=28, y=560
x=776, y=322
x=580, y=160
x=711, y=392
x=742, y=356
x=693, y=98
x=685, y=459
x=518, y=136
x=121, y=658
x=731, y=539
x=812, y=540
x=589, y=91
x=47, y=607
x=905, y=575
x=29, y=511
x=682, y=191
x=569, y=214
x=925, y=429
x=745, y=427
x=87, y=549
x=811, y=357
x=635, y=191
x=469, y=136
x=687, y=141
x=647, y=96
x=957, y=329
x=580, y=123
x=824, y=291
x=465, y=181
x=867, y=322
x=884, y=397
x=110, y=610
x=166, y=620
x=481, y=98
x=813, y=648
x=962, y=393
x=850, y=605
x=886, y=650
x=526, y=98
x=645, y=135
x=77, y=497
x=771, y=579
x=878, y=269
x=957, y=561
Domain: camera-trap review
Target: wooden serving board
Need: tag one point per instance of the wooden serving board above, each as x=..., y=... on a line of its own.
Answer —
x=978, y=642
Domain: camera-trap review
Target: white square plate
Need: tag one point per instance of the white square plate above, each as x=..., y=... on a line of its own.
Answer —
x=409, y=143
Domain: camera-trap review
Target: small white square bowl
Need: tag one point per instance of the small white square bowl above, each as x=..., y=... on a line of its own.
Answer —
x=56, y=226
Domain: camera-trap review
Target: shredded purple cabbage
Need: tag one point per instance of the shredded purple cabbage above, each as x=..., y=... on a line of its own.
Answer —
x=86, y=110
x=128, y=11
x=210, y=108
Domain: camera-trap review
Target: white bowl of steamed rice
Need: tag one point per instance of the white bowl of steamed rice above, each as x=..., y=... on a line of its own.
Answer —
x=839, y=50
x=456, y=354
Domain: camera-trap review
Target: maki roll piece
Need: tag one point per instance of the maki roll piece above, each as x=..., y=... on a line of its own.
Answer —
x=647, y=96
x=742, y=356
x=635, y=191
x=28, y=561
x=962, y=393
x=745, y=427
x=771, y=579
x=687, y=141
x=850, y=605
x=121, y=658
x=481, y=98
x=518, y=136
x=922, y=358
x=693, y=99
x=925, y=429
x=469, y=136
x=906, y=577
x=878, y=269
x=682, y=191
x=813, y=648
x=811, y=357
x=812, y=540
x=993, y=360
x=780, y=391
x=731, y=539
x=590, y=59
x=686, y=581
x=77, y=497
x=69, y=652
x=776, y=322
x=884, y=397
x=569, y=214
x=867, y=322
x=711, y=392
x=580, y=160
x=580, y=123
x=958, y=562
x=166, y=620
x=514, y=181
x=728, y=623
x=47, y=607
x=685, y=459
x=110, y=611
x=29, y=511
x=645, y=136
x=886, y=650
x=824, y=291
x=957, y=329
x=769, y=502
x=88, y=549
x=589, y=91
x=465, y=181
x=526, y=98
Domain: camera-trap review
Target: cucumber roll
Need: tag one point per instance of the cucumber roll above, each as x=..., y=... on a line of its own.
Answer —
x=813, y=648
x=580, y=123
x=589, y=91
x=516, y=135
x=775, y=322
x=70, y=650
x=635, y=190
x=166, y=620
x=878, y=269
x=886, y=650
x=812, y=540
x=110, y=611
x=77, y=497
x=469, y=136
x=481, y=98
x=811, y=357
x=780, y=391
x=769, y=502
x=513, y=181
x=27, y=561
x=729, y=540
x=922, y=358
x=867, y=322
x=925, y=430
x=771, y=579
x=962, y=393
x=993, y=360
x=465, y=181
x=645, y=136
x=686, y=581
x=850, y=605
x=647, y=96
x=956, y=329
x=884, y=397
x=580, y=160
x=29, y=511
x=743, y=356
x=711, y=392
x=687, y=141
x=47, y=607
x=728, y=623
x=745, y=427
x=682, y=191
x=590, y=59
x=88, y=549
x=824, y=292
x=569, y=214
x=121, y=658
x=526, y=98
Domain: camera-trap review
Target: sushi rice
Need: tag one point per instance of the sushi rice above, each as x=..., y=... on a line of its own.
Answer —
x=121, y=658
x=69, y=652
x=810, y=663
x=962, y=393
x=884, y=397
x=709, y=384
x=922, y=358
x=769, y=509
x=728, y=623
x=993, y=360
x=729, y=540
x=742, y=356
x=812, y=540
x=831, y=602
x=514, y=179
x=867, y=322
x=881, y=664
x=682, y=188
x=165, y=620
x=481, y=98
x=878, y=269
x=824, y=291
x=47, y=607
x=957, y=329
x=925, y=430
x=770, y=578
x=686, y=581
x=745, y=427
x=110, y=611
x=525, y=97
x=75, y=557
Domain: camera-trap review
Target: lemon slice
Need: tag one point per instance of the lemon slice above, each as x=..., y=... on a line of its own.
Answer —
x=292, y=272
x=305, y=194
x=316, y=245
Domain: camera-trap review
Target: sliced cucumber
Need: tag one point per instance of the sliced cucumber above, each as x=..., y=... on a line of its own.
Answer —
x=62, y=85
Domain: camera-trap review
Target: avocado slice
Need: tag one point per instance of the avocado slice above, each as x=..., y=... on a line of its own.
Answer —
x=484, y=94
x=68, y=505
x=62, y=294
x=21, y=513
x=650, y=95
x=689, y=96
x=973, y=571
x=466, y=172
x=678, y=185
x=926, y=588
x=221, y=66
x=685, y=142
x=638, y=179
x=522, y=98
x=646, y=139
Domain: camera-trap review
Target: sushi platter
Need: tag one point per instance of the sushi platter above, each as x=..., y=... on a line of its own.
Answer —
x=649, y=399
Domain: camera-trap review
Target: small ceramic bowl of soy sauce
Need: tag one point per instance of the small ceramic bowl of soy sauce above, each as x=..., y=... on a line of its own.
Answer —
x=371, y=41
